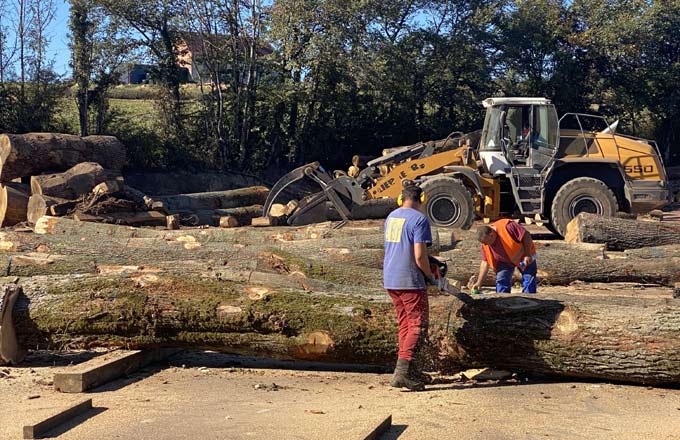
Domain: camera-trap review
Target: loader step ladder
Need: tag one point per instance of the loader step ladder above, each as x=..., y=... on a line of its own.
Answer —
x=527, y=187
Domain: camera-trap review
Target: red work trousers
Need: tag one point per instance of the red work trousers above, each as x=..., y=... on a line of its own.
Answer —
x=412, y=314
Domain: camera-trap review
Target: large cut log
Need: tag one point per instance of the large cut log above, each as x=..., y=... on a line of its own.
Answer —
x=243, y=215
x=255, y=195
x=13, y=203
x=73, y=183
x=593, y=335
x=144, y=218
x=337, y=256
x=621, y=234
x=31, y=154
x=561, y=263
x=38, y=206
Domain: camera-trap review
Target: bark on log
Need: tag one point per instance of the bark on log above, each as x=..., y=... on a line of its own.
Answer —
x=144, y=218
x=255, y=195
x=588, y=336
x=243, y=215
x=558, y=263
x=31, y=154
x=561, y=264
x=109, y=187
x=621, y=234
x=74, y=182
x=13, y=203
x=228, y=222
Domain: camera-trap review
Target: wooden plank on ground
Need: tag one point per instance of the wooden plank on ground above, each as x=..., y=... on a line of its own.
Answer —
x=39, y=429
x=379, y=430
x=106, y=368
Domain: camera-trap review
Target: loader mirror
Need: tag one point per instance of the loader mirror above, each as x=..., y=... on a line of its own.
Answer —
x=503, y=115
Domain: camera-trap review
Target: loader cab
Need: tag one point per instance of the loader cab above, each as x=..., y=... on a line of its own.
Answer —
x=518, y=132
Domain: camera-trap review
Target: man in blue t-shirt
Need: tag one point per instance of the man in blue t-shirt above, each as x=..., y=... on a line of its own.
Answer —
x=406, y=270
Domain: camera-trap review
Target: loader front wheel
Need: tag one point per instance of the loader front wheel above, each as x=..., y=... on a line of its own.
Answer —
x=449, y=203
x=583, y=194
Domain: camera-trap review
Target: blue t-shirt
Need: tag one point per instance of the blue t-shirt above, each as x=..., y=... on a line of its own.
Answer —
x=403, y=228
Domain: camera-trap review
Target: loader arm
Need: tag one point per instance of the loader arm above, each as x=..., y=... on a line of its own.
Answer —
x=389, y=185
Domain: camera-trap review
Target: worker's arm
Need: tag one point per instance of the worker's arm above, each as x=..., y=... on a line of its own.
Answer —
x=422, y=260
x=527, y=241
x=483, y=271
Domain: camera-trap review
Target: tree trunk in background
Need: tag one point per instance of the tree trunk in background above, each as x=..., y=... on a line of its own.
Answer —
x=23, y=155
x=256, y=195
x=74, y=182
x=560, y=263
x=621, y=234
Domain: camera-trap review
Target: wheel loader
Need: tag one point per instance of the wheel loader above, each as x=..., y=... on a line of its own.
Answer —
x=525, y=162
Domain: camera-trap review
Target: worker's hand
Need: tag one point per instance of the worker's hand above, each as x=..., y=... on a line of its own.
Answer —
x=431, y=280
x=527, y=261
x=435, y=271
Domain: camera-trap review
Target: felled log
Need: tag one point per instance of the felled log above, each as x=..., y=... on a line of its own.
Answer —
x=39, y=206
x=562, y=263
x=109, y=187
x=256, y=195
x=228, y=221
x=588, y=336
x=74, y=182
x=13, y=203
x=621, y=234
x=173, y=221
x=31, y=154
x=243, y=215
x=144, y=218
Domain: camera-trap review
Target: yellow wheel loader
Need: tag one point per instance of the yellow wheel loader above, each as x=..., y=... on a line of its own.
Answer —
x=525, y=162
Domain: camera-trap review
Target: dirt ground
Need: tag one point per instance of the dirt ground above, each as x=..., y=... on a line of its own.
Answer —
x=206, y=395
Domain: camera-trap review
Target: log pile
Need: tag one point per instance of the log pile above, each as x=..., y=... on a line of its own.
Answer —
x=81, y=178
x=315, y=293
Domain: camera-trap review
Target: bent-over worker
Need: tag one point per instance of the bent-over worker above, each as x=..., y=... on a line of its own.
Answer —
x=406, y=270
x=506, y=245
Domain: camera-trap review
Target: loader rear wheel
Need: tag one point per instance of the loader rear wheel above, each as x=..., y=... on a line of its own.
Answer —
x=449, y=203
x=583, y=194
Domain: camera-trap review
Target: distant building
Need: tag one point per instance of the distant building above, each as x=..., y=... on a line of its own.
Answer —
x=134, y=73
x=193, y=47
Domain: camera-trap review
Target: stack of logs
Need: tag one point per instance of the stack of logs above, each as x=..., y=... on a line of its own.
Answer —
x=64, y=175
x=315, y=293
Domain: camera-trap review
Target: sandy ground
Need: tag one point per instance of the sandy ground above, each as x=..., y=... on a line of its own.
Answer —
x=204, y=395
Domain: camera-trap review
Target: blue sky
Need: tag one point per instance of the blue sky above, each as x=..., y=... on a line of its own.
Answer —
x=58, y=48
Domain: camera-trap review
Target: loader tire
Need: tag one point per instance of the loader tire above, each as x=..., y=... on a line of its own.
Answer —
x=583, y=194
x=449, y=203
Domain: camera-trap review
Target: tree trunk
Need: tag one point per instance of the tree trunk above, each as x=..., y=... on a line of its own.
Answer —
x=145, y=218
x=243, y=215
x=74, y=183
x=560, y=263
x=621, y=234
x=631, y=339
x=13, y=204
x=256, y=195
x=23, y=155
x=39, y=206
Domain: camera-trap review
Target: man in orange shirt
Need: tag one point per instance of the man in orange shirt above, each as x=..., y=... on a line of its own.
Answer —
x=506, y=245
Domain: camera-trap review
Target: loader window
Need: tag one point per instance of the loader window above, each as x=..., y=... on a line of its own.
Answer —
x=491, y=134
x=544, y=133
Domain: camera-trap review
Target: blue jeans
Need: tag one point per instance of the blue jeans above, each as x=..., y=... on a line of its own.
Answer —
x=504, y=278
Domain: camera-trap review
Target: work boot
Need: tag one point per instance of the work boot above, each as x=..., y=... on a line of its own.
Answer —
x=400, y=377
